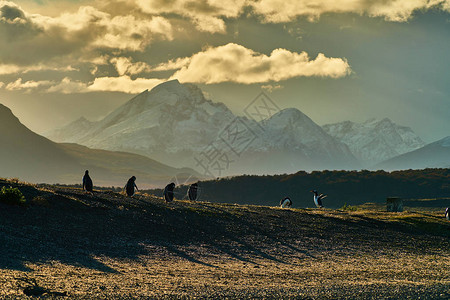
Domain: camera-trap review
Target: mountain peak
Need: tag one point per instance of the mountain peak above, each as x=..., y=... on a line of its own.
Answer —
x=375, y=139
x=292, y=114
x=170, y=85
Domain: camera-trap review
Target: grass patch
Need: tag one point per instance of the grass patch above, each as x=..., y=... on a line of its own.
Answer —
x=12, y=196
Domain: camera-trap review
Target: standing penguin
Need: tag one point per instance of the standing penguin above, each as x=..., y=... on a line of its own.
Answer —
x=447, y=214
x=193, y=192
x=168, y=192
x=87, y=182
x=318, y=198
x=129, y=187
x=285, y=202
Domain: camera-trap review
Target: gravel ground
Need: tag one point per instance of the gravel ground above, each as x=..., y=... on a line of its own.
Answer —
x=66, y=243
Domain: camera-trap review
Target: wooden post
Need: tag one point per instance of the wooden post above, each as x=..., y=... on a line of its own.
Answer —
x=394, y=204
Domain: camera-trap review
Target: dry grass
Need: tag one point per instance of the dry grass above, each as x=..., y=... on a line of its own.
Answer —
x=109, y=246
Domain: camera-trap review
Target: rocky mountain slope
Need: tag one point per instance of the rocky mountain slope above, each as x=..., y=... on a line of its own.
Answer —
x=375, y=140
x=31, y=157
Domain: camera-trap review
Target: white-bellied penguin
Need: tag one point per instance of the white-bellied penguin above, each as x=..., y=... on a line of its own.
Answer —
x=285, y=202
x=318, y=198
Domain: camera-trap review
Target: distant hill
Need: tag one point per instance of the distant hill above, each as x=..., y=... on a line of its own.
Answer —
x=375, y=140
x=31, y=157
x=175, y=124
x=342, y=187
x=434, y=155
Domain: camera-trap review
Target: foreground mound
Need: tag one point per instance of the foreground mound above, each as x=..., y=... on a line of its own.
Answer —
x=106, y=245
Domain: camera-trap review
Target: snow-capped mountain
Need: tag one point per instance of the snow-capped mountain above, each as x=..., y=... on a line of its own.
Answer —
x=73, y=131
x=434, y=155
x=375, y=140
x=174, y=124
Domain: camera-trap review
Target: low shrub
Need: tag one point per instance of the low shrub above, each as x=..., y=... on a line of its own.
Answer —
x=349, y=207
x=13, y=196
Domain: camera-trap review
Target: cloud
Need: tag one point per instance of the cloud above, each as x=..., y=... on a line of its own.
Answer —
x=124, y=65
x=209, y=15
x=87, y=33
x=123, y=84
x=100, y=29
x=19, y=85
x=235, y=63
x=174, y=64
x=13, y=69
x=278, y=11
x=206, y=15
x=68, y=86
x=209, y=24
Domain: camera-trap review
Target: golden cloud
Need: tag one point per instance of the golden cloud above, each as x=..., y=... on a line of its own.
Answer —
x=277, y=11
x=27, y=85
x=235, y=63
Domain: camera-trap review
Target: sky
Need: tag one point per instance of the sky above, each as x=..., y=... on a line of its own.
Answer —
x=334, y=60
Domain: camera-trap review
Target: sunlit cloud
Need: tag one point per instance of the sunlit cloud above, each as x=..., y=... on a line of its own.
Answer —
x=123, y=84
x=125, y=65
x=278, y=11
x=206, y=15
x=173, y=64
x=107, y=40
x=68, y=86
x=103, y=30
x=30, y=38
x=235, y=63
x=27, y=85
x=14, y=69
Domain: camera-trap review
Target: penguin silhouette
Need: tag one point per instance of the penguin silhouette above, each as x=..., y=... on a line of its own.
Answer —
x=129, y=187
x=87, y=182
x=193, y=192
x=168, y=192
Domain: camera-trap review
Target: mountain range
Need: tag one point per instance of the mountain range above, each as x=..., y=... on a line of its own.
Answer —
x=31, y=157
x=175, y=124
x=375, y=140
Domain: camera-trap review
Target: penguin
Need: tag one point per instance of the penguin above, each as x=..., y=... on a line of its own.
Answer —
x=447, y=214
x=168, y=192
x=193, y=192
x=285, y=202
x=318, y=198
x=87, y=182
x=129, y=187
